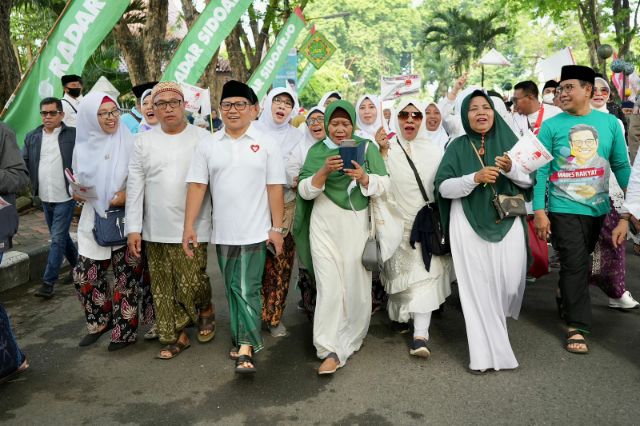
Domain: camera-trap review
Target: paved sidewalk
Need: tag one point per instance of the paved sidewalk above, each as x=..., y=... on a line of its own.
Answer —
x=27, y=259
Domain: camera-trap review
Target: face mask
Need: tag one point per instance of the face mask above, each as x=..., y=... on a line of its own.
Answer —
x=548, y=98
x=74, y=93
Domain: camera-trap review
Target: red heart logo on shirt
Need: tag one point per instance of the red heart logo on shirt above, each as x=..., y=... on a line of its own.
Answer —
x=255, y=148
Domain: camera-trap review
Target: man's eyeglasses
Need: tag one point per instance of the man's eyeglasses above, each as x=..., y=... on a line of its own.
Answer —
x=404, y=115
x=113, y=113
x=285, y=102
x=312, y=121
x=239, y=106
x=162, y=105
x=567, y=88
x=49, y=113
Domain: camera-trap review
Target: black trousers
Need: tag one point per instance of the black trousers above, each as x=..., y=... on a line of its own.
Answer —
x=574, y=238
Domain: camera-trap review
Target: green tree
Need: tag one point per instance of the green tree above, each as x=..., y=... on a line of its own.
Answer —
x=461, y=36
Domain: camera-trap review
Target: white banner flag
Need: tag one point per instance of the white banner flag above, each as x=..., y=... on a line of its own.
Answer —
x=398, y=86
x=196, y=99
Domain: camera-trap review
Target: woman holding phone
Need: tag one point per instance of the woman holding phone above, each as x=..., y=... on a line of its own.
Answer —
x=331, y=229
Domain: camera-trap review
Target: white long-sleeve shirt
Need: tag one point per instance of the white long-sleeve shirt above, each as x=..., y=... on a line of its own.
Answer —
x=156, y=187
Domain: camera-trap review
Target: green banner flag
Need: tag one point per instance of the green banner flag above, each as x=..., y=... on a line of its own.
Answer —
x=203, y=39
x=78, y=33
x=264, y=75
x=305, y=76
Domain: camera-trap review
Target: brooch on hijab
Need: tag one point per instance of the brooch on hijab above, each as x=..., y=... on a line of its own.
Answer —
x=481, y=150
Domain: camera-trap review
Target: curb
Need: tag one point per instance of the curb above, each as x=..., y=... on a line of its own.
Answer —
x=21, y=267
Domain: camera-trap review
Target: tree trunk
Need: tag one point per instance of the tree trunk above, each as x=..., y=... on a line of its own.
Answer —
x=10, y=71
x=237, y=58
x=588, y=16
x=625, y=28
x=153, y=40
x=144, y=49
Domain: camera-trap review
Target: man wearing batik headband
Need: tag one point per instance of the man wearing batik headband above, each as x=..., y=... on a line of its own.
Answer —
x=244, y=170
x=156, y=193
x=578, y=197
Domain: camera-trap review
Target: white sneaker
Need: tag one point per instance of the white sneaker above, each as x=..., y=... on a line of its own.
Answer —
x=626, y=301
x=278, y=331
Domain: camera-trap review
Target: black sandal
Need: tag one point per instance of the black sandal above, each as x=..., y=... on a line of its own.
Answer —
x=580, y=341
x=22, y=368
x=242, y=359
x=174, y=349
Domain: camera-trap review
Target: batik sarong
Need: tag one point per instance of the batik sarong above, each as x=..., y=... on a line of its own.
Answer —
x=275, y=282
x=180, y=287
x=119, y=310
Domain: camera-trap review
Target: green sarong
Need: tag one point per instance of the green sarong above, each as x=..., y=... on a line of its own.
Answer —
x=242, y=268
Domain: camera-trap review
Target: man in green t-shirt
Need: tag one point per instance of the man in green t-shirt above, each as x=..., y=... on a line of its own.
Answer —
x=587, y=145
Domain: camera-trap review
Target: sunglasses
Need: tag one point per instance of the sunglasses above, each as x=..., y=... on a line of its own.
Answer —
x=601, y=90
x=49, y=113
x=404, y=115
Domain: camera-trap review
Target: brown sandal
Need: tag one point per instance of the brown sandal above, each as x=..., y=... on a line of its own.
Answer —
x=207, y=323
x=174, y=349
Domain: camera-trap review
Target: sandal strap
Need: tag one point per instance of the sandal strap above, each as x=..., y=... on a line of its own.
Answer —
x=576, y=342
x=574, y=332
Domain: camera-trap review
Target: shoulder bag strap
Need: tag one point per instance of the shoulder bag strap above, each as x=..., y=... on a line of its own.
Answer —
x=481, y=162
x=415, y=173
x=72, y=107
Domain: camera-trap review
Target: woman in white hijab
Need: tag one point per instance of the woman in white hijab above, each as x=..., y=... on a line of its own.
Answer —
x=434, y=129
x=280, y=106
x=368, y=118
x=329, y=97
x=414, y=291
x=149, y=119
x=608, y=268
x=314, y=132
x=101, y=160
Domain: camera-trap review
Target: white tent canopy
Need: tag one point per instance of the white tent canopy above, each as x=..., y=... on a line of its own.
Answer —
x=104, y=85
x=493, y=57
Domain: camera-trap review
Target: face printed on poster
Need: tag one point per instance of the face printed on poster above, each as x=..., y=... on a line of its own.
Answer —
x=584, y=176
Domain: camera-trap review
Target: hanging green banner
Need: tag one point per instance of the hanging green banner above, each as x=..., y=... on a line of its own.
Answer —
x=305, y=77
x=78, y=33
x=264, y=75
x=317, y=49
x=203, y=39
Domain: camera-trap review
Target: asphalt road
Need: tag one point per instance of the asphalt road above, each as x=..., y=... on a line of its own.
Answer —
x=381, y=384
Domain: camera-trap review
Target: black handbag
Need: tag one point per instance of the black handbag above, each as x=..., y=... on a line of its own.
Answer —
x=427, y=226
x=506, y=205
x=109, y=231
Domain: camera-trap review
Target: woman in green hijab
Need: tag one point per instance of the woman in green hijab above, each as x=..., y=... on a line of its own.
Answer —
x=489, y=256
x=330, y=230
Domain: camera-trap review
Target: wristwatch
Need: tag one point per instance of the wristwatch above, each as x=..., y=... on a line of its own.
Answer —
x=278, y=230
x=625, y=216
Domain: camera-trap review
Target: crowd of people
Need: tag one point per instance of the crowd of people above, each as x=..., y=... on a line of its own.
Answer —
x=271, y=184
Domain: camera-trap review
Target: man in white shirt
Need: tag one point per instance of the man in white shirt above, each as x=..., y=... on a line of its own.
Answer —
x=156, y=193
x=245, y=173
x=530, y=112
x=47, y=152
x=72, y=87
